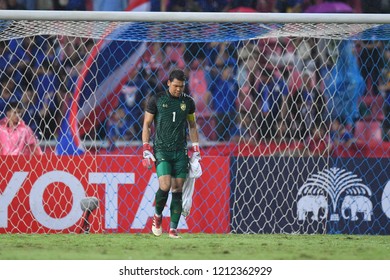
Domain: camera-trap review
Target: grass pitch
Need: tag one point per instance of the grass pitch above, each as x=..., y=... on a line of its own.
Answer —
x=193, y=247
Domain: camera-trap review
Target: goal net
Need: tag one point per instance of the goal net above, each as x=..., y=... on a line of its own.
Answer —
x=292, y=109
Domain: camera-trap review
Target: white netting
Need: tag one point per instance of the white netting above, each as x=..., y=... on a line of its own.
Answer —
x=292, y=114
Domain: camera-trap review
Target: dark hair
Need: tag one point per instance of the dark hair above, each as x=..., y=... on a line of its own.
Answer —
x=4, y=78
x=12, y=105
x=177, y=74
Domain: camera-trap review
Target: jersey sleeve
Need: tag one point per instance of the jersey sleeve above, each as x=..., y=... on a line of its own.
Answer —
x=191, y=109
x=151, y=105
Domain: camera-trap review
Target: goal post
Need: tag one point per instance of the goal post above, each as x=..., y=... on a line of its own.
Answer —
x=292, y=109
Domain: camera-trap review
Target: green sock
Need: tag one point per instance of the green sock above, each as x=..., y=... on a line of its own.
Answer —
x=161, y=200
x=176, y=207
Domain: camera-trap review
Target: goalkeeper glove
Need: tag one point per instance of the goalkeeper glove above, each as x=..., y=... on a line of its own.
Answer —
x=196, y=151
x=148, y=156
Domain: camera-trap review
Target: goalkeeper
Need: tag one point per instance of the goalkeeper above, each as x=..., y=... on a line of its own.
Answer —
x=171, y=111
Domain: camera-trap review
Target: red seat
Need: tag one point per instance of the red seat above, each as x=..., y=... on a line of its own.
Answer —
x=207, y=126
x=374, y=106
x=368, y=131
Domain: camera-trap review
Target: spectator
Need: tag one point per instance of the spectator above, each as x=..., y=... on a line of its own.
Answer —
x=261, y=108
x=175, y=52
x=171, y=57
x=235, y=5
x=15, y=5
x=6, y=55
x=155, y=5
x=248, y=57
x=284, y=54
x=16, y=138
x=29, y=53
x=43, y=5
x=277, y=98
x=386, y=119
x=384, y=88
x=299, y=105
x=217, y=55
x=340, y=136
x=182, y=6
x=3, y=5
x=8, y=92
x=70, y=5
x=248, y=71
x=371, y=63
x=174, y=5
x=246, y=117
x=375, y=6
x=104, y=5
x=46, y=86
x=199, y=90
x=11, y=55
x=132, y=98
x=117, y=128
x=28, y=104
x=288, y=6
x=27, y=4
x=73, y=68
x=316, y=101
x=224, y=92
x=344, y=85
x=306, y=52
x=213, y=5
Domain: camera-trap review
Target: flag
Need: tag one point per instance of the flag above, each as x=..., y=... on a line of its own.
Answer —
x=105, y=72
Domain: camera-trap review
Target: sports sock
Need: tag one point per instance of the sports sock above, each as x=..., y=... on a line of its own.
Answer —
x=161, y=200
x=176, y=207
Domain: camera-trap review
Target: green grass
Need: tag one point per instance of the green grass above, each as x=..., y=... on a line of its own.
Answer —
x=193, y=247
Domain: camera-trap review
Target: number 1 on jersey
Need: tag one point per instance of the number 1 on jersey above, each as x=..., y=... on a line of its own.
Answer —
x=174, y=116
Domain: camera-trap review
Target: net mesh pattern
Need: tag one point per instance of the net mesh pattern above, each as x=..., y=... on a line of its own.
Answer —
x=293, y=121
x=188, y=32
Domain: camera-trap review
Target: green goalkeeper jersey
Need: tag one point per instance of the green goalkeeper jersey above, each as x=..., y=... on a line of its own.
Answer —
x=170, y=120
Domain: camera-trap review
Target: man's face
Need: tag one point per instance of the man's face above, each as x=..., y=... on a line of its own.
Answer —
x=176, y=87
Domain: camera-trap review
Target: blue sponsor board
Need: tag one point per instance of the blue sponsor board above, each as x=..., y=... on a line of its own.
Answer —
x=310, y=195
x=363, y=209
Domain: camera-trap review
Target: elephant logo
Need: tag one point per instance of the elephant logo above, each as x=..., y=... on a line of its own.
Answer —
x=331, y=185
x=357, y=204
x=312, y=203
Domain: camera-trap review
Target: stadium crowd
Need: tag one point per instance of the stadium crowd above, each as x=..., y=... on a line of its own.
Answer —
x=268, y=90
x=281, y=6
